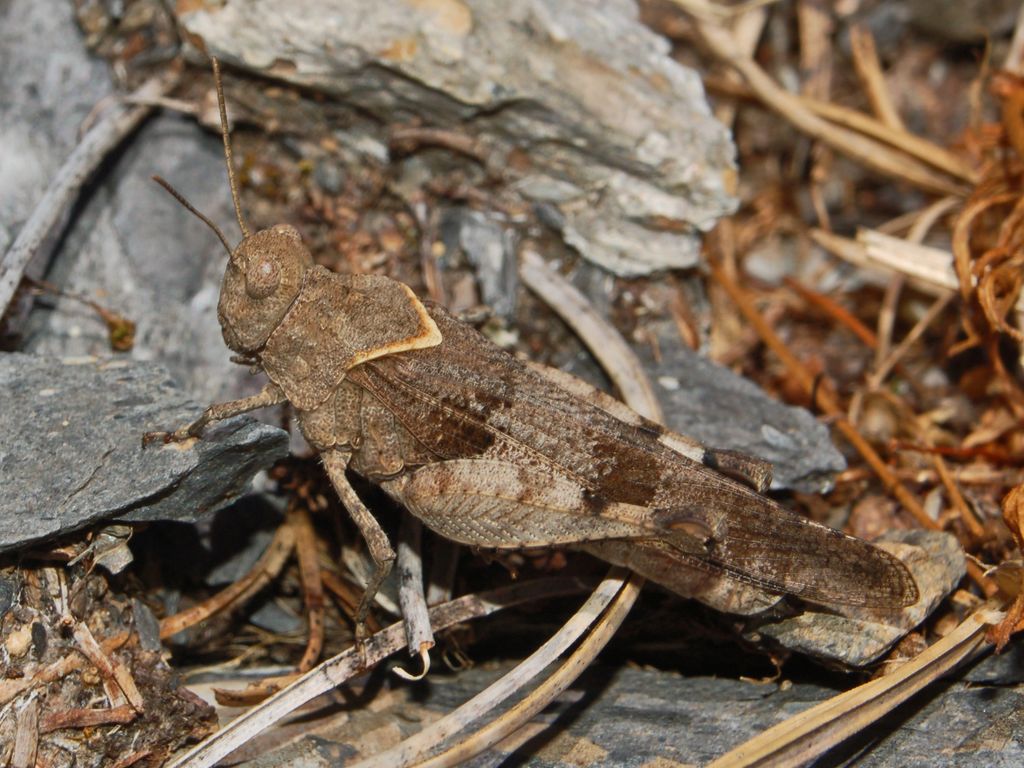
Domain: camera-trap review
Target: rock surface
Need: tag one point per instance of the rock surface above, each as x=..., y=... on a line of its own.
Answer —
x=710, y=403
x=72, y=452
x=577, y=103
x=644, y=718
x=45, y=94
x=856, y=637
x=151, y=261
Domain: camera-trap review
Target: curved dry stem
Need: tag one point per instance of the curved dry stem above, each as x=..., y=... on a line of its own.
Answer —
x=413, y=748
x=411, y=598
x=543, y=694
x=604, y=342
x=347, y=664
x=810, y=734
x=266, y=569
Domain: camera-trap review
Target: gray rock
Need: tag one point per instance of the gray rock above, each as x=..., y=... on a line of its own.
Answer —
x=50, y=85
x=8, y=590
x=152, y=261
x=272, y=617
x=710, y=403
x=72, y=452
x=645, y=718
x=618, y=135
x=241, y=562
x=713, y=405
x=964, y=21
x=1003, y=669
x=856, y=637
x=329, y=175
x=490, y=247
x=47, y=93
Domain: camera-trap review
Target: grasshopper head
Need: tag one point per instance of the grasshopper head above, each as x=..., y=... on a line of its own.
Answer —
x=264, y=273
x=261, y=281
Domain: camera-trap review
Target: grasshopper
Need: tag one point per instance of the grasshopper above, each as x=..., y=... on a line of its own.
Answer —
x=494, y=453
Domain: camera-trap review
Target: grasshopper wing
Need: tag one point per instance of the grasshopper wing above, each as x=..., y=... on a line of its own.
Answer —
x=617, y=479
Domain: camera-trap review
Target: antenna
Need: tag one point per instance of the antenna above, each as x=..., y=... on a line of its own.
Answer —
x=192, y=209
x=227, y=147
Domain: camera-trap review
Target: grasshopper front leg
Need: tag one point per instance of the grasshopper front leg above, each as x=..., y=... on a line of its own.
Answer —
x=381, y=551
x=269, y=395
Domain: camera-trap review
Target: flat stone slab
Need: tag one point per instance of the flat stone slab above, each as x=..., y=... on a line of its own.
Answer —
x=710, y=403
x=72, y=451
x=618, y=137
x=858, y=636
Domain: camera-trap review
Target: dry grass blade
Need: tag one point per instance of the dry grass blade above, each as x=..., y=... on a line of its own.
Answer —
x=413, y=748
x=806, y=736
x=873, y=154
x=830, y=406
x=884, y=368
x=926, y=268
x=543, y=694
x=604, y=342
x=845, y=117
x=337, y=670
x=869, y=70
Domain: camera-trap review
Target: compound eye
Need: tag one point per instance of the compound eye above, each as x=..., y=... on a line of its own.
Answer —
x=262, y=278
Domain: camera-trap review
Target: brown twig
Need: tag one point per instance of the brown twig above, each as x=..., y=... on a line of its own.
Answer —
x=111, y=670
x=830, y=407
x=9, y=689
x=834, y=310
x=87, y=718
x=956, y=498
x=337, y=670
x=348, y=595
x=261, y=574
x=309, y=575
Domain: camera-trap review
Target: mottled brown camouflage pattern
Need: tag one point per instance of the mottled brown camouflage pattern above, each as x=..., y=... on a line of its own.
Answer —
x=491, y=453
